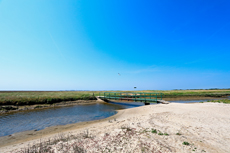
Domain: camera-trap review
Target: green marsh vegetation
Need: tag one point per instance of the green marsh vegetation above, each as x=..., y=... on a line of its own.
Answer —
x=217, y=93
x=193, y=93
x=42, y=97
x=51, y=97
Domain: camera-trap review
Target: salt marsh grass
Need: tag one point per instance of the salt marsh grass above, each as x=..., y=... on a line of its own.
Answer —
x=50, y=97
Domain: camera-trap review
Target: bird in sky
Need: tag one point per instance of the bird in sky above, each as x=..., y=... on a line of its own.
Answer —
x=119, y=74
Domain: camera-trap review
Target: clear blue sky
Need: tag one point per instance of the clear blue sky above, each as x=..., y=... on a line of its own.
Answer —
x=84, y=44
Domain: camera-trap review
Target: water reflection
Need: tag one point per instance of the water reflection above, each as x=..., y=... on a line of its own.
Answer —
x=130, y=104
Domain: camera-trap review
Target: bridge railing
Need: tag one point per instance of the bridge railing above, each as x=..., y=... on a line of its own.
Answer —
x=135, y=96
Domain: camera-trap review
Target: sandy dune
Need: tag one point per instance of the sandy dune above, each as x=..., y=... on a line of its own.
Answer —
x=205, y=126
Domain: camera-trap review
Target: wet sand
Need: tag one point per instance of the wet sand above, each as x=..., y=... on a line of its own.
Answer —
x=205, y=126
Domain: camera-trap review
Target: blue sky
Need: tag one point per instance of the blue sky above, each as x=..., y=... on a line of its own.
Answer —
x=84, y=44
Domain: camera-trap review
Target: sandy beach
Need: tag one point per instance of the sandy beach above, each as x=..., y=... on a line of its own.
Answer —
x=197, y=127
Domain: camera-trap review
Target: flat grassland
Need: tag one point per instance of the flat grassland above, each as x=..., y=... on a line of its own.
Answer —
x=50, y=97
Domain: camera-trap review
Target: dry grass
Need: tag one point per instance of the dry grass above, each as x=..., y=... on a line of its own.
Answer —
x=121, y=141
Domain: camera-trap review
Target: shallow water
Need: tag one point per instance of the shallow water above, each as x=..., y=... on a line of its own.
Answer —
x=40, y=119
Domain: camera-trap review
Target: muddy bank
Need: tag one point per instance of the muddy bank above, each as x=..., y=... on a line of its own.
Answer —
x=12, y=108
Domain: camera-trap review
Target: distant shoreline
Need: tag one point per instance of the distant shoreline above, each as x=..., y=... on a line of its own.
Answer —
x=24, y=98
x=8, y=109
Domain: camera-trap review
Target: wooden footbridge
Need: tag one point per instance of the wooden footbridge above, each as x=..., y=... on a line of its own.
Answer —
x=147, y=98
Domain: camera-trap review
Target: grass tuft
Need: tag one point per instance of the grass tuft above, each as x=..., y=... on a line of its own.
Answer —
x=160, y=133
x=154, y=131
x=178, y=133
x=185, y=143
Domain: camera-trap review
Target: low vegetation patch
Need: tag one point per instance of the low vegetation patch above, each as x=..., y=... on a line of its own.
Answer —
x=226, y=101
x=154, y=131
x=178, y=133
x=203, y=151
x=185, y=143
x=160, y=133
x=124, y=140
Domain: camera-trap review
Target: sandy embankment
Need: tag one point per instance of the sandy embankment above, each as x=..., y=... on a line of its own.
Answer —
x=205, y=126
